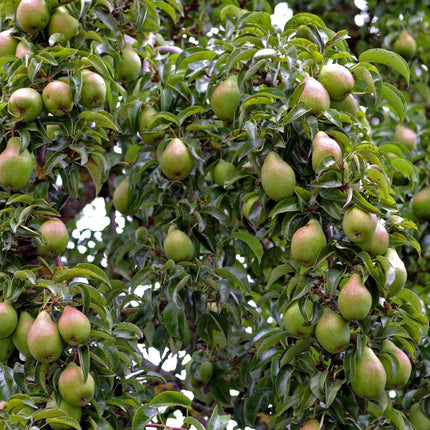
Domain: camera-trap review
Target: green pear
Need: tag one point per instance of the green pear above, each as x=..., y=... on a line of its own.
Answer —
x=178, y=246
x=314, y=96
x=222, y=171
x=54, y=238
x=332, y=331
x=8, y=43
x=16, y=166
x=358, y=225
x=277, y=177
x=418, y=418
x=25, y=104
x=399, y=378
x=44, y=341
x=205, y=371
x=370, y=378
x=62, y=22
x=57, y=98
x=396, y=274
x=326, y=149
x=354, y=301
x=145, y=129
x=32, y=15
x=6, y=349
x=421, y=203
x=74, y=326
x=176, y=162
x=405, y=135
x=311, y=425
x=225, y=98
x=53, y=131
x=93, y=91
x=8, y=320
x=337, y=80
x=348, y=104
x=69, y=410
x=405, y=45
x=295, y=322
x=307, y=242
x=20, y=336
x=73, y=388
x=122, y=196
x=129, y=64
x=378, y=242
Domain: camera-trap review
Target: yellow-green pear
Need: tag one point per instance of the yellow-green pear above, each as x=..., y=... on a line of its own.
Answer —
x=178, y=246
x=378, y=242
x=205, y=371
x=396, y=273
x=145, y=127
x=277, y=177
x=6, y=349
x=307, y=242
x=421, y=203
x=25, y=104
x=348, y=104
x=69, y=410
x=405, y=45
x=325, y=149
x=176, y=162
x=314, y=96
x=295, y=322
x=129, y=64
x=358, y=225
x=64, y=23
x=93, y=91
x=72, y=386
x=311, y=425
x=122, y=196
x=20, y=336
x=398, y=375
x=54, y=237
x=32, y=15
x=405, y=135
x=8, y=43
x=332, y=331
x=225, y=98
x=337, y=80
x=8, y=320
x=370, y=378
x=418, y=418
x=74, y=326
x=222, y=171
x=354, y=301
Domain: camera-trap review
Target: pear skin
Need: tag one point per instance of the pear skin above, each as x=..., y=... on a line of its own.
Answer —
x=337, y=80
x=72, y=386
x=145, y=117
x=421, y=204
x=396, y=274
x=176, y=161
x=405, y=135
x=354, y=301
x=332, y=332
x=311, y=425
x=20, y=336
x=129, y=64
x=370, y=377
x=358, y=225
x=54, y=237
x=121, y=196
x=405, y=45
x=327, y=149
x=295, y=323
x=74, y=326
x=225, y=98
x=418, y=418
x=6, y=349
x=307, y=242
x=349, y=104
x=8, y=320
x=178, y=246
x=378, y=242
x=404, y=367
x=222, y=171
x=32, y=15
x=277, y=177
x=314, y=96
x=69, y=410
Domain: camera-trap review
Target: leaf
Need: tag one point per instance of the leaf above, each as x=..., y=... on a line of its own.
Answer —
x=143, y=416
x=252, y=242
x=216, y=421
x=389, y=58
x=279, y=271
x=82, y=269
x=170, y=398
x=396, y=100
x=101, y=119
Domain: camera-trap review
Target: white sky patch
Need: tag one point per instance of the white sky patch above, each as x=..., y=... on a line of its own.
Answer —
x=281, y=15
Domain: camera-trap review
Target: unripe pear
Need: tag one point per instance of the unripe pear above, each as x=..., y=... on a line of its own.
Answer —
x=54, y=238
x=397, y=268
x=176, y=162
x=44, y=341
x=337, y=80
x=311, y=425
x=405, y=45
x=145, y=131
x=421, y=203
x=8, y=43
x=332, y=331
x=358, y=225
x=74, y=326
x=25, y=104
x=277, y=177
x=73, y=388
x=93, y=92
x=307, y=242
x=16, y=166
x=62, y=22
x=348, y=104
x=403, y=365
x=327, y=149
x=32, y=15
x=354, y=301
x=122, y=196
x=178, y=246
x=20, y=336
x=6, y=349
x=405, y=135
x=294, y=321
x=8, y=320
x=206, y=371
x=225, y=98
x=57, y=98
x=314, y=96
x=129, y=64
x=370, y=377
x=378, y=242
x=69, y=410
x=222, y=171
x=418, y=418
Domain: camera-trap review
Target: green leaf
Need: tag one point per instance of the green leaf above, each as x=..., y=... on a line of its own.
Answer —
x=252, y=242
x=101, y=119
x=216, y=421
x=396, y=100
x=85, y=270
x=170, y=398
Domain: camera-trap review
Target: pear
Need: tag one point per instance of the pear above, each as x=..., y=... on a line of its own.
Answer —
x=145, y=117
x=205, y=371
x=62, y=22
x=332, y=331
x=327, y=149
x=358, y=225
x=294, y=321
x=178, y=246
x=418, y=418
x=222, y=171
x=32, y=15
x=73, y=388
x=122, y=196
x=370, y=378
x=307, y=242
x=405, y=135
x=6, y=349
x=277, y=177
x=93, y=91
x=16, y=167
x=20, y=335
x=74, y=326
x=69, y=410
x=25, y=104
x=54, y=238
x=8, y=43
x=396, y=274
x=129, y=64
x=378, y=242
x=348, y=104
x=354, y=301
x=225, y=98
x=57, y=98
x=337, y=80
x=44, y=341
x=176, y=161
x=314, y=96
x=401, y=376
x=405, y=45
x=311, y=425
x=8, y=320
x=421, y=203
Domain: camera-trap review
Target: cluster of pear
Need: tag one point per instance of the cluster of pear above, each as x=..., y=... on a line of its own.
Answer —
x=41, y=338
